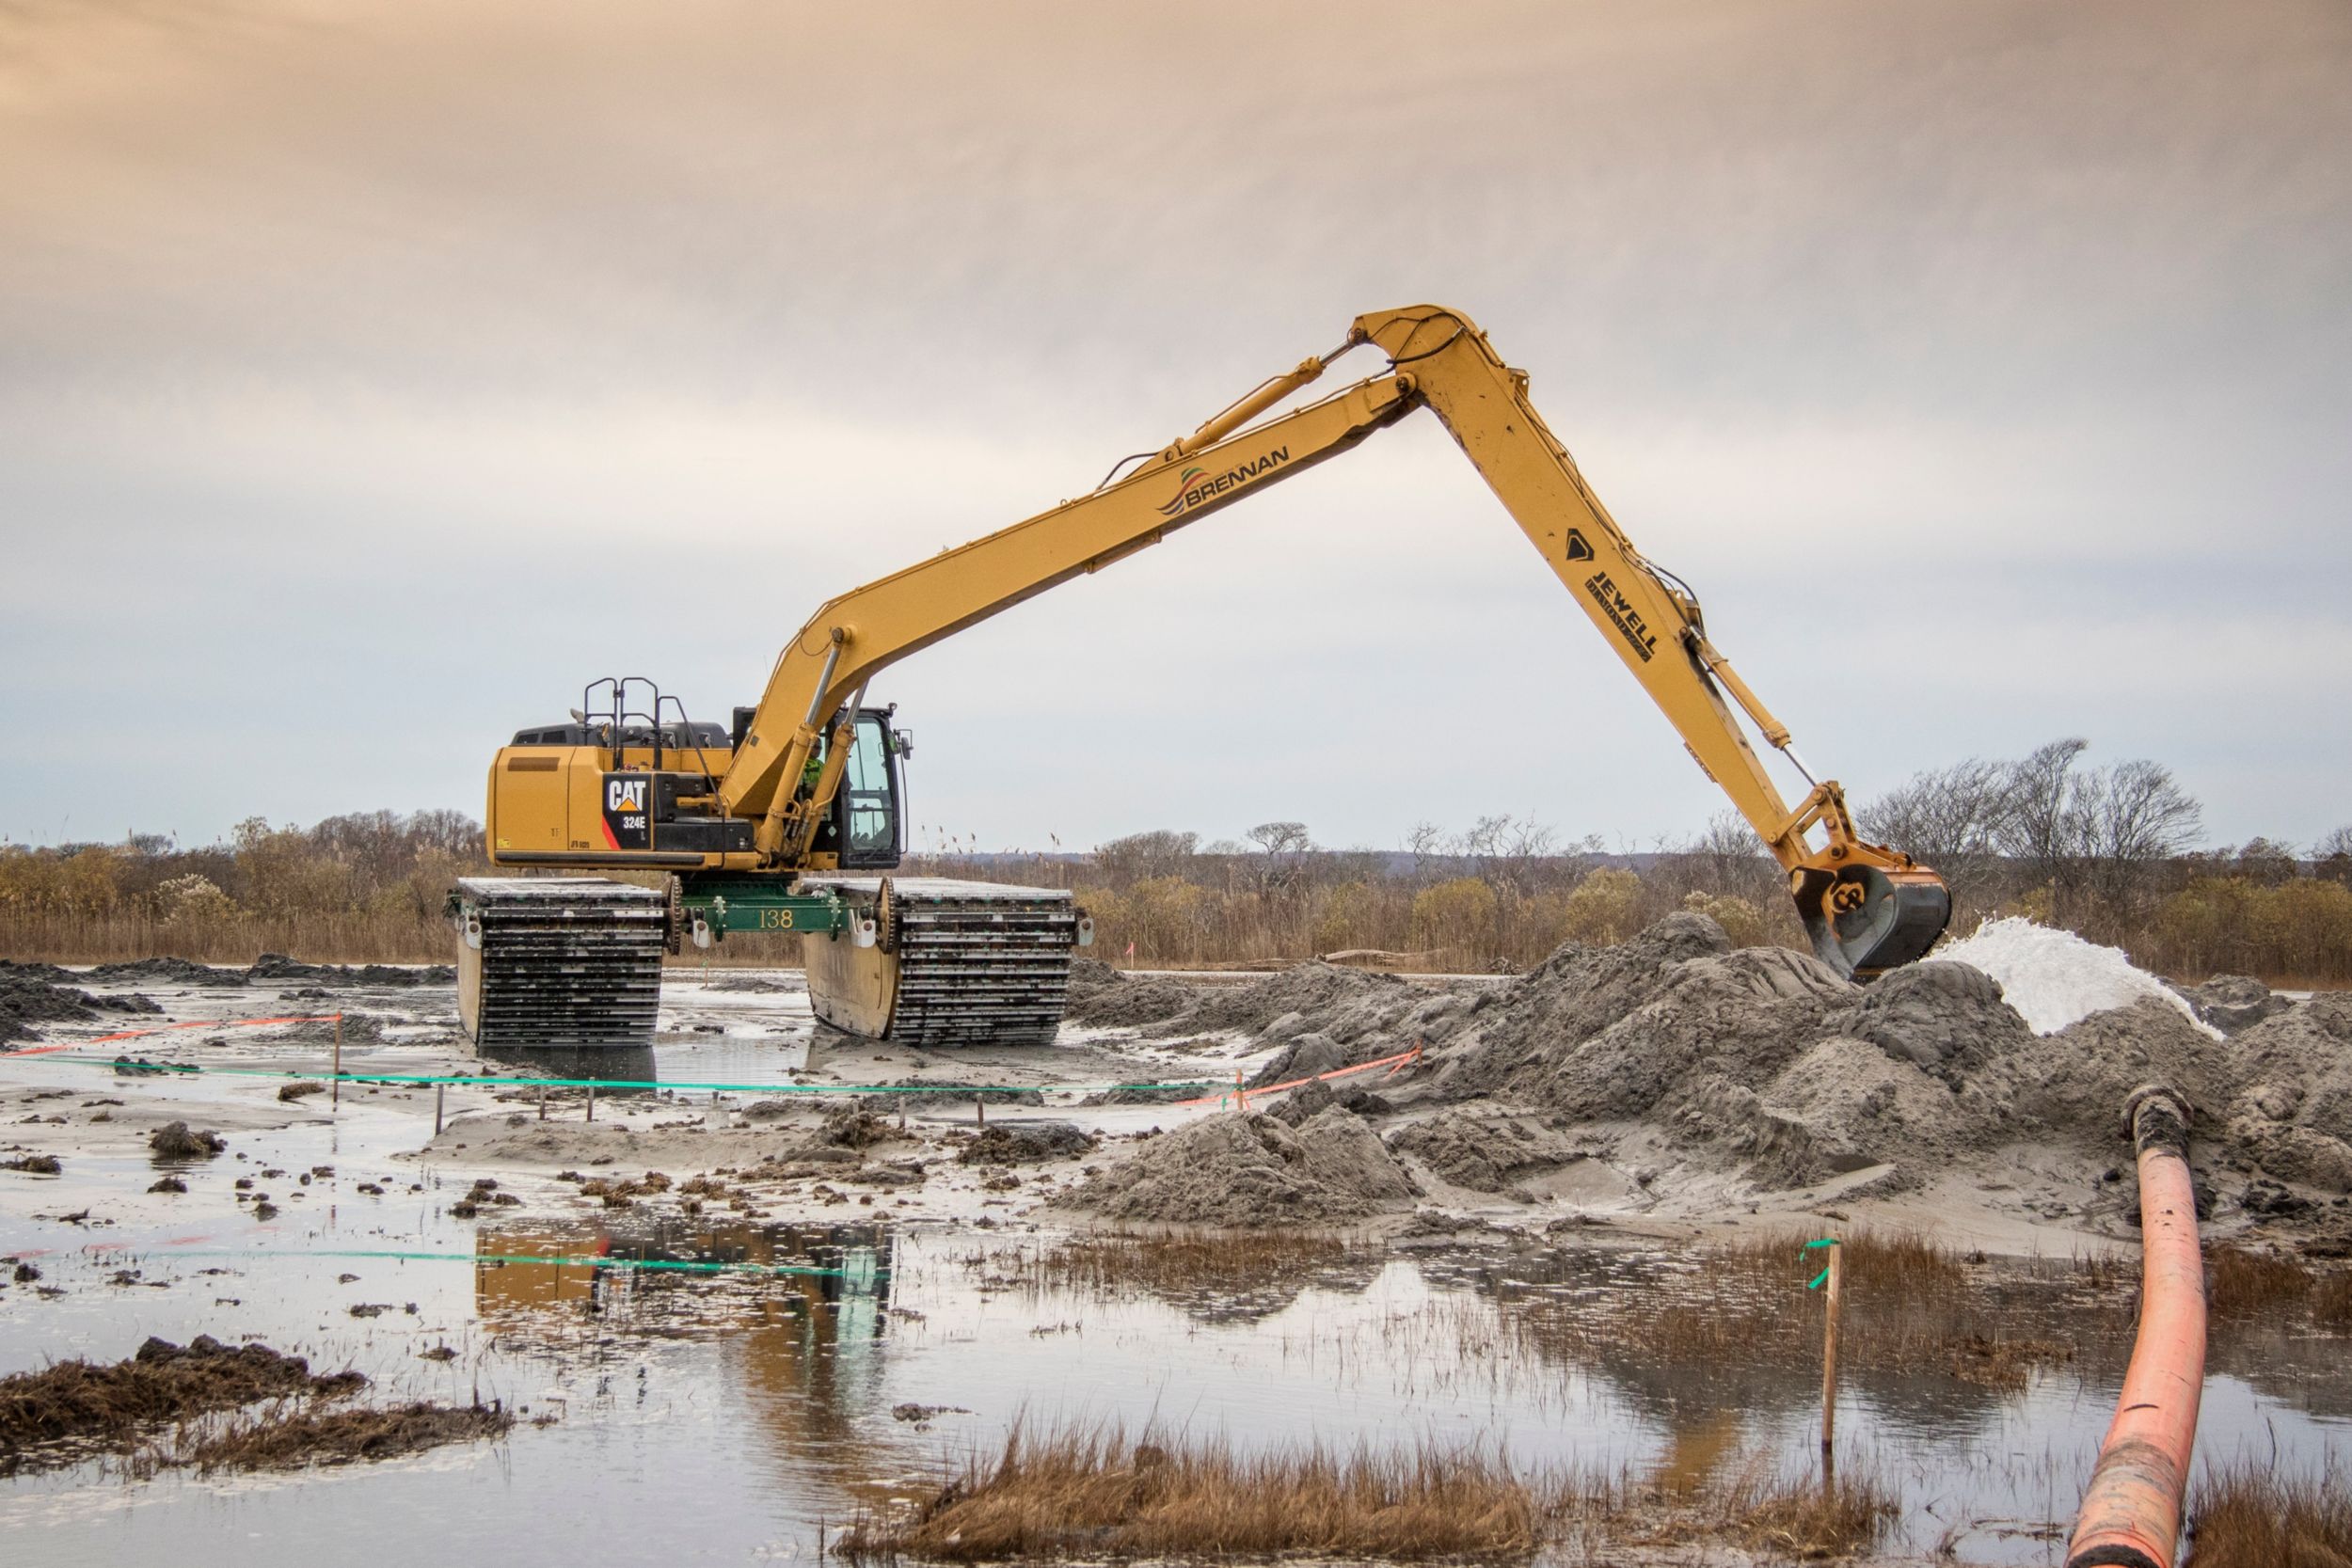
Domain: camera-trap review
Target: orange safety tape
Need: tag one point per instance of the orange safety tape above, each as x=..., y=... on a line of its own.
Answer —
x=166, y=1028
x=1395, y=1064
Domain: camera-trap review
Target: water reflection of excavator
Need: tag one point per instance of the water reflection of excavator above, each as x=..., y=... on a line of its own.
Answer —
x=786, y=821
x=806, y=1348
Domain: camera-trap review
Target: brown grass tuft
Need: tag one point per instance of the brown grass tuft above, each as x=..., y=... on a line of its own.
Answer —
x=1807, y=1522
x=1090, y=1491
x=2243, y=1516
x=81, y=1401
x=2243, y=1283
x=287, y=1440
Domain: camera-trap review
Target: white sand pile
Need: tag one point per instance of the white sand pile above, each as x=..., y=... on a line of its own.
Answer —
x=2054, y=978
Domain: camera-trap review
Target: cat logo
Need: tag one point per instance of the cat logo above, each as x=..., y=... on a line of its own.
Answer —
x=628, y=824
x=1578, y=548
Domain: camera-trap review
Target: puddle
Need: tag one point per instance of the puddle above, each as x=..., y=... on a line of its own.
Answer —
x=722, y=1388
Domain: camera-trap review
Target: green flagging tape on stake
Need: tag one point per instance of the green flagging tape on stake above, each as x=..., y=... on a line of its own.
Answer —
x=583, y=1261
x=1826, y=1240
x=134, y=1068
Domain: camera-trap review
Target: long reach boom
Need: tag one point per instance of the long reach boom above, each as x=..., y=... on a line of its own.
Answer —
x=1866, y=907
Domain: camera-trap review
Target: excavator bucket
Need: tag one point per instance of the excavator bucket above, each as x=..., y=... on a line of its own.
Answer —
x=1864, y=920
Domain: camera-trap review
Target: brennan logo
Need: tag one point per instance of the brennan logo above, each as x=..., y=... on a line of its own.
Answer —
x=1192, y=487
x=1622, y=614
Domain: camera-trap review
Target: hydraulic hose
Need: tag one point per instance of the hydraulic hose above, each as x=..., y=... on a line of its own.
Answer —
x=2131, y=1511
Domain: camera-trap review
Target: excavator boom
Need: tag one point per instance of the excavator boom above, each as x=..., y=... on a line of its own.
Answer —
x=1866, y=908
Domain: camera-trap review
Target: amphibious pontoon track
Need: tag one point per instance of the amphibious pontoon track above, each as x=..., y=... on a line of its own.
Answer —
x=954, y=963
x=558, y=962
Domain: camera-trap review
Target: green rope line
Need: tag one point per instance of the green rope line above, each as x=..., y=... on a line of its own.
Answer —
x=484, y=1081
x=584, y=1261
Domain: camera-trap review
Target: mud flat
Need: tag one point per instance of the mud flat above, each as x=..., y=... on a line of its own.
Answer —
x=1569, y=1220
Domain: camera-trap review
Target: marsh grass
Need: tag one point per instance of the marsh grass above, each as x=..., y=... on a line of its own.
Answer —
x=1091, y=1491
x=2240, y=1282
x=2244, y=1515
x=294, y=1436
x=57, y=1414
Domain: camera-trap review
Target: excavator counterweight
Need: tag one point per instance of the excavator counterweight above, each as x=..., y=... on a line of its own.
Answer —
x=790, y=821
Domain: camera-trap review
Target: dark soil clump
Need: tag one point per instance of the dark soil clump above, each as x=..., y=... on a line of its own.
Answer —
x=276, y=969
x=24, y=1002
x=35, y=1165
x=174, y=1141
x=168, y=972
x=1026, y=1143
x=922, y=1099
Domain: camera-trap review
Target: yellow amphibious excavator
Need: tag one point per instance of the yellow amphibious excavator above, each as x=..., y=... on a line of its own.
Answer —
x=790, y=819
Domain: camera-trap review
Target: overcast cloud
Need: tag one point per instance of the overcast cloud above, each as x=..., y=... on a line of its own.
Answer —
x=375, y=375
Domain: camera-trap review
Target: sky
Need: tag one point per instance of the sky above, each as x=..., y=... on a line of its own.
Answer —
x=373, y=374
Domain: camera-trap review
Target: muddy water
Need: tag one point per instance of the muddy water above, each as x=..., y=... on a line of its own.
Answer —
x=736, y=1412
x=728, y=1415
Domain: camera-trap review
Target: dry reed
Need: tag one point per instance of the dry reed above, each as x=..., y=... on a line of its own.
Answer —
x=2246, y=1516
x=286, y=1439
x=82, y=1401
x=1091, y=1492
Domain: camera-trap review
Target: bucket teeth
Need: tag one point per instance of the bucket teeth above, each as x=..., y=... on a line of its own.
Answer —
x=563, y=961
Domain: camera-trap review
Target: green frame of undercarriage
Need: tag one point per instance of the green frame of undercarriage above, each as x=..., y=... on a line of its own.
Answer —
x=763, y=904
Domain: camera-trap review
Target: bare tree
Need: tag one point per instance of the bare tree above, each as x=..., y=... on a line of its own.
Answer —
x=2332, y=855
x=1952, y=819
x=1426, y=844
x=2266, y=861
x=1507, y=852
x=1160, y=852
x=1728, y=860
x=1282, y=847
x=2136, y=817
x=2042, y=828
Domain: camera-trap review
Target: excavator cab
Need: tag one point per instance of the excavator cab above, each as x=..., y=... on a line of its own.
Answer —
x=866, y=826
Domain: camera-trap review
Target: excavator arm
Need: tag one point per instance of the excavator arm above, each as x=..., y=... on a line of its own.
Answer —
x=1866, y=907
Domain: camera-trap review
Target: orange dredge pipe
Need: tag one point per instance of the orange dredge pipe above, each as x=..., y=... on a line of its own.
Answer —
x=2130, y=1512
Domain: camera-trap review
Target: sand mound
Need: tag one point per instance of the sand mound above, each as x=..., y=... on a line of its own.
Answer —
x=1485, y=1152
x=2292, y=1109
x=2054, y=978
x=1240, y=1169
x=2232, y=1002
x=1764, y=1062
x=1100, y=995
x=1944, y=1018
x=1744, y=1014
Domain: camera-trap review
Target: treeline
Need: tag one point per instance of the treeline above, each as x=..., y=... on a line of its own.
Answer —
x=2110, y=851
x=351, y=889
